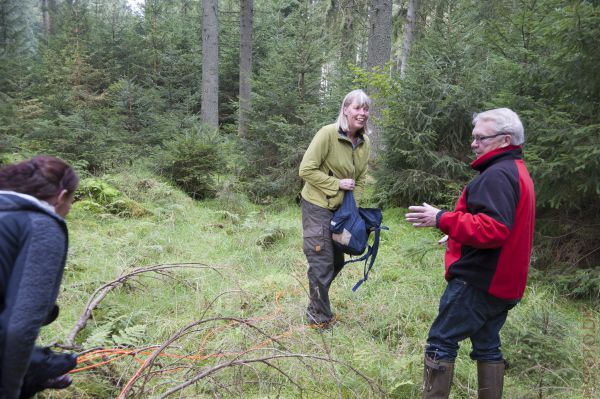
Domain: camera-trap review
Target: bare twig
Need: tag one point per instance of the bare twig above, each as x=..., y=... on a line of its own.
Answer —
x=100, y=293
x=587, y=226
x=586, y=255
x=186, y=330
x=150, y=360
x=265, y=360
x=290, y=379
x=239, y=359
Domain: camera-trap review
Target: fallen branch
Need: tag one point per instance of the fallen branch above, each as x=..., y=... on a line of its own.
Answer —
x=265, y=360
x=100, y=293
x=239, y=359
x=183, y=331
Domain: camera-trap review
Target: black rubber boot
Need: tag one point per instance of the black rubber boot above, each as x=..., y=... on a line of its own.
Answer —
x=490, y=379
x=437, y=378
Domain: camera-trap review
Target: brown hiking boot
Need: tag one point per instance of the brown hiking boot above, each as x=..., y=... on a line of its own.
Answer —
x=437, y=378
x=490, y=379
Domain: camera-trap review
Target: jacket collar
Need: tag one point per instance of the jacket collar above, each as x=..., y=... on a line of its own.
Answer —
x=344, y=136
x=12, y=200
x=509, y=152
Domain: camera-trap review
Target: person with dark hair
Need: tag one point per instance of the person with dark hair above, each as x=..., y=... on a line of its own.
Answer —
x=35, y=196
x=336, y=161
x=490, y=238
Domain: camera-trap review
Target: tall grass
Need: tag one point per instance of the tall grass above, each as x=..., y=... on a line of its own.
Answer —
x=251, y=303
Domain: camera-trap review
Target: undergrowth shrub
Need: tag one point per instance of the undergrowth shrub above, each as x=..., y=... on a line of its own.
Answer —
x=98, y=196
x=6, y=157
x=566, y=249
x=153, y=192
x=580, y=283
x=115, y=329
x=231, y=195
x=230, y=217
x=192, y=159
x=541, y=348
x=271, y=236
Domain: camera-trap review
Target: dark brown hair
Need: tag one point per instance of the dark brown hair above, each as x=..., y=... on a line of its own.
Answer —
x=42, y=177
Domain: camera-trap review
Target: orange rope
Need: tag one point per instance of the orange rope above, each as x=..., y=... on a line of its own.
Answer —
x=109, y=355
x=93, y=366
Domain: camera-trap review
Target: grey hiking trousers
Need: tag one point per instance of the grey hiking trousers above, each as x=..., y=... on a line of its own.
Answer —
x=324, y=261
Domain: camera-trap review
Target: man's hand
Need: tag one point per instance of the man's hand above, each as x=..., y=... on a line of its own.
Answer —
x=422, y=216
x=347, y=184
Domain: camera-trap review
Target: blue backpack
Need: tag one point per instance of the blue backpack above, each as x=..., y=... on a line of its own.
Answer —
x=351, y=226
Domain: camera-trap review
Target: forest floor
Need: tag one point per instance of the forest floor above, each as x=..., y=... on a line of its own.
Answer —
x=226, y=317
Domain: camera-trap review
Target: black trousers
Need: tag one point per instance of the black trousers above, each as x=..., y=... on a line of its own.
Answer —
x=324, y=260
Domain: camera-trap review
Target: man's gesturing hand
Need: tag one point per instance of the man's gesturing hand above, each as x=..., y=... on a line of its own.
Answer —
x=422, y=216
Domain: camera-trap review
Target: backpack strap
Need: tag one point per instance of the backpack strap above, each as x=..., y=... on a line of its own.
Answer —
x=372, y=253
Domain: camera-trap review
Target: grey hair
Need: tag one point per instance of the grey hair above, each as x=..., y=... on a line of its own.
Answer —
x=505, y=121
x=362, y=99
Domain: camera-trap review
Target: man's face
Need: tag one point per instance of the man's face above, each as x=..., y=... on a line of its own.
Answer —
x=486, y=139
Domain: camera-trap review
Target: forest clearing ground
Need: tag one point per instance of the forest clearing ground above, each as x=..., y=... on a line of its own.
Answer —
x=254, y=299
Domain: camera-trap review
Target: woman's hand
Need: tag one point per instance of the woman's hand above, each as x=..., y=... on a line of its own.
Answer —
x=347, y=184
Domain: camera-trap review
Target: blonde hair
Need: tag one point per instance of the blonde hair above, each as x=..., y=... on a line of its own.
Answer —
x=362, y=99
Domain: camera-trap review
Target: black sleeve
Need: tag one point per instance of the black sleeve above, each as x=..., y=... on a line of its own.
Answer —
x=30, y=297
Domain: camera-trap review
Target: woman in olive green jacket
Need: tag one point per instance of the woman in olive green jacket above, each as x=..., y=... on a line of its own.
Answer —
x=336, y=160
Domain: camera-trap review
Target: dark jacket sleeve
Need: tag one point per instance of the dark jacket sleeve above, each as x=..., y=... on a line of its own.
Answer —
x=30, y=297
x=492, y=206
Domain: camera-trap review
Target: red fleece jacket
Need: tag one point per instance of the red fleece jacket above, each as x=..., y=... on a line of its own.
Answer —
x=491, y=229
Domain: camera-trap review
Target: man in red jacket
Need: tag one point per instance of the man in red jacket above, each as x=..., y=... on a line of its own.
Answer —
x=490, y=237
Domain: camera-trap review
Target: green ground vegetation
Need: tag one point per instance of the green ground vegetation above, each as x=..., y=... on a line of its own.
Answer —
x=247, y=300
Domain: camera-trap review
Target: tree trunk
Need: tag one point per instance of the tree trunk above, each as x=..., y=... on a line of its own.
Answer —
x=409, y=31
x=46, y=18
x=348, y=46
x=380, y=37
x=378, y=54
x=210, y=63
x=246, y=15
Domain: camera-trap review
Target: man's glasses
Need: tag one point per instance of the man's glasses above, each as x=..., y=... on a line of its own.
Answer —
x=481, y=139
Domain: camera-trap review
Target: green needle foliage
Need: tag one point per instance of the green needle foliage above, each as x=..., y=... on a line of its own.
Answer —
x=533, y=57
x=191, y=161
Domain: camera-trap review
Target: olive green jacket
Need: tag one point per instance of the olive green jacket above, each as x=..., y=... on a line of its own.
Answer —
x=328, y=159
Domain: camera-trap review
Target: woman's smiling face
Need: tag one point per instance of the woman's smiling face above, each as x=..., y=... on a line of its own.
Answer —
x=357, y=116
